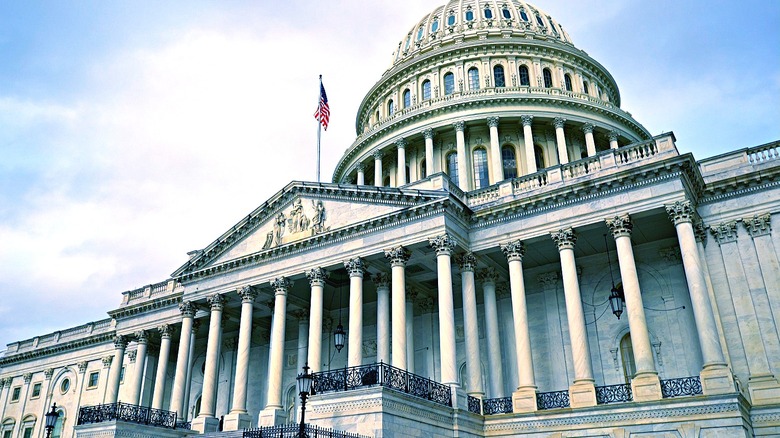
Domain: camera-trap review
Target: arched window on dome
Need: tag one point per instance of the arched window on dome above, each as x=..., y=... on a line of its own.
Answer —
x=585, y=88
x=509, y=161
x=451, y=19
x=449, y=83
x=473, y=78
x=539, y=155
x=627, y=357
x=390, y=108
x=469, y=14
x=523, y=15
x=498, y=76
x=539, y=20
x=506, y=13
x=423, y=171
x=426, y=90
x=488, y=13
x=407, y=98
x=481, y=178
x=408, y=42
x=435, y=24
x=452, y=166
x=420, y=32
x=567, y=80
x=525, y=78
x=552, y=26
x=547, y=74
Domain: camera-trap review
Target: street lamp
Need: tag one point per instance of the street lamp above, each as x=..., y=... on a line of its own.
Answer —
x=51, y=419
x=339, y=336
x=305, y=380
x=616, y=298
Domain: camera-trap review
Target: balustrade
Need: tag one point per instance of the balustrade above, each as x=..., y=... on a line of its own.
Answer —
x=552, y=400
x=474, y=405
x=130, y=413
x=492, y=406
x=681, y=387
x=613, y=393
x=293, y=431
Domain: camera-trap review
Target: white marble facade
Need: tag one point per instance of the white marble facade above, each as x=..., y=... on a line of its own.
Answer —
x=495, y=283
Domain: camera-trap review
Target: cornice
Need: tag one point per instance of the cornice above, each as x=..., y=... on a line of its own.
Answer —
x=57, y=349
x=745, y=184
x=155, y=304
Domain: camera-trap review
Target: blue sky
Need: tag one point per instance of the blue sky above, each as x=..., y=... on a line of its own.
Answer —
x=132, y=132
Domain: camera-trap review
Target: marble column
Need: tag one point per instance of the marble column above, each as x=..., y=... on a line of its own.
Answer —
x=411, y=295
x=524, y=397
x=428, y=135
x=378, y=155
x=303, y=339
x=186, y=414
x=488, y=278
x=716, y=378
x=560, y=137
x=115, y=372
x=444, y=245
x=238, y=418
x=316, y=278
x=162, y=366
x=645, y=384
x=398, y=257
x=613, y=139
x=142, y=343
x=206, y=420
x=590, y=143
x=759, y=226
x=382, y=282
x=467, y=263
x=582, y=392
x=355, y=268
x=180, y=381
x=273, y=413
x=495, y=151
x=460, y=143
x=400, y=167
x=361, y=176
x=528, y=138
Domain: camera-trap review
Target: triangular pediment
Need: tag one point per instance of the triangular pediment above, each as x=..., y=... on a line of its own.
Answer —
x=303, y=211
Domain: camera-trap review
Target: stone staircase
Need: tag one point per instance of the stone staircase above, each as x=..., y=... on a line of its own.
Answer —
x=231, y=434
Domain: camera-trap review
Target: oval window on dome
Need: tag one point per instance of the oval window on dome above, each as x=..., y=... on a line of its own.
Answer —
x=435, y=25
x=420, y=32
x=523, y=15
x=488, y=13
x=469, y=15
x=506, y=13
x=451, y=20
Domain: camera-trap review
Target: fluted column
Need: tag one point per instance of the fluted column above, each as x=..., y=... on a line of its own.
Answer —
x=378, y=155
x=488, y=278
x=467, y=263
x=180, y=381
x=316, y=278
x=206, y=421
x=238, y=417
x=355, y=268
x=142, y=343
x=186, y=414
x=400, y=177
x=303, y=339
x=524, y=397
x=645, y=383
x=398, y=257
x=583, y=391
x=563, y=153
x=495, y=151
x=613, y=139
x=444, y=245
x=528, y=137
x=460, y=143
x=428, y=135
x=411, y=295
x=382, y=282
x=716, y=378
x=361, y=177
x=115, y=372
x=162, y=365
x=273, y=413
x=590, y=143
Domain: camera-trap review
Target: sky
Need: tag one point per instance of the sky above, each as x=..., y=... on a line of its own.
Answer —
x=132, y=132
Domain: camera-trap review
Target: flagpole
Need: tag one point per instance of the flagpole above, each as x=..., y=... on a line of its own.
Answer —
x=319, y=132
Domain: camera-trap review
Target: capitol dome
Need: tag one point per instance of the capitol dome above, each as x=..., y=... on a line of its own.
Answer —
x=475, y=88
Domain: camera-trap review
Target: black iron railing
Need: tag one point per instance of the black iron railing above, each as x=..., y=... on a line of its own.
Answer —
x=492, y=406
x=681, y=387
x=474, y=405
x=130, y=413
x=382, y=374
x=613, y=393
x=293, y=431
x=552, y=400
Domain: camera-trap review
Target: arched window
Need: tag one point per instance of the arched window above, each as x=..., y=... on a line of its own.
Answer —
x=435, y=24
x=525, y=79
x=547, y=74
x=451, y=19
x=290, y=405
x=28, y=425
x=408, y=42
x=585, y=87
x=407, y=98
x=498, y=76
x=567, y=80
x=423, y=170
x=539, y=153
x=452, y=166
x=539, y=20
x=420, y=33
x=523, y=15
x=426, y=90
x=449, y=84
x=552, y=26
x=57, y=431
x=481, y=178
x=390, y=107
x=469, y=14
x=488, y=13
x=506, y=13
x=473, y=78
x=509, y=161
x=8, y=427
x=627, y=356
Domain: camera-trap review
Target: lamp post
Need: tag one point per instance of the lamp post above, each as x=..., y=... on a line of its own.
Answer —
x=51, y=419
x=616, y=298
x=339, y=336
x=305, y=380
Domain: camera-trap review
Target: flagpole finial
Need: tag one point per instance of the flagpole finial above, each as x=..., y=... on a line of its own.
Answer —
x=320, y=77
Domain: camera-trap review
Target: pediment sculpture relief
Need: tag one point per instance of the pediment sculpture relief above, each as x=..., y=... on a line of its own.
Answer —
x=297, y=224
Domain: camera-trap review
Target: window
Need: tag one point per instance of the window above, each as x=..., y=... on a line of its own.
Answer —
x=408, y=41
x=552, y=26
x=469, y=14
x=17, y=392
x=539, y=21
x=291, y=411
x=65, y=385
x=473, y=78
x=585, y=87
x=57, y=432
x=547, y=78
x=508, y=161
x=420, y=32
x=627, y=356
x=426, y=90
x=452, y=166
x=7, y=434
x=525, y=79
x=498, y=76
x=539, y=153
x=506, y=13
x=435, y=24
x=94, y=377
x=423, y=170
x=36, y=391
x=390, y=108
x=377, y=115
x=28, y=432
x=407, y=98
x=488, y=13
x=451, y=19
x=567, y=79
x=523, y=15
x=480, y=168
x=449, y=84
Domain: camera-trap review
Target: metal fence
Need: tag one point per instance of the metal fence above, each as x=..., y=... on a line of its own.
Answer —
x=552, y=400
x=613, y=393
x=129, y=413
x=493, y=406
x=293, y=431
x=683, y=386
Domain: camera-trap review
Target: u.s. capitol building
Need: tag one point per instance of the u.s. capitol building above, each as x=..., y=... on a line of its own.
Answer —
x=508, y=251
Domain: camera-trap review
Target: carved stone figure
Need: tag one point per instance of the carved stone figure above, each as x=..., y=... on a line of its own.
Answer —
x=298, y=221
x=279, y=229
x=318, y=218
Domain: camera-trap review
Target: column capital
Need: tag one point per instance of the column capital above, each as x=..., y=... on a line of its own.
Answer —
x=459, y=125
x=558, y=122
x=82, y=366
x=700, y=232
x=165, y=330
x=141, y=337
x=301, y=314
x=725, y=232
x=120, y=341
x=281, y=285
x=381, y=280
x=359, y=167
x=526, y=120
x=411, y=294
x=613, y=135
x=131, y=355
x=107, y=361
x=587, y=128
x=398, y=256
x=247, y=294
x=548, y=279
x=188, y=309
x=758, y=225
x=427, y=133
x=47, y=373
x=27, y=377
x=487, y=275
x=216, y=301
x=514, y=250
x=401, y=143
x=620, y=226
x=425, y=304
x=492, y=122
x=467, y=261
x=355, y=267
x=317, y=276
x=378, y=155
x=564, y=238
x=443, y=244
x=680, y=212
x=502, y=291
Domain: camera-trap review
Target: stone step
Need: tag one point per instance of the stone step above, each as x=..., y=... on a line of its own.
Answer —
x=231, y=434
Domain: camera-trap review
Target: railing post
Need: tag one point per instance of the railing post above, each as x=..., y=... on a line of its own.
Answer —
x=346, y=385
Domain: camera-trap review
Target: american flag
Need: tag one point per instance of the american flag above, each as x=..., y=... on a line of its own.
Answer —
x=323, y=110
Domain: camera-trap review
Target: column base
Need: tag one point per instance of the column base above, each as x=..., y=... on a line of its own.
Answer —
x=717, y=379
x=646, y=387
x=204, y=424
x=764, y=390
x=237, y=421
x=272, y=416
x=524, y=400
x=582, y=394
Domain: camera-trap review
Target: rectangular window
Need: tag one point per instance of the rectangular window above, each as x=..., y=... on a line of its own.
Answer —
x=7, y=434
x=28, y=432
x=17, y=392
x=94, y=377
x=36, y=392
